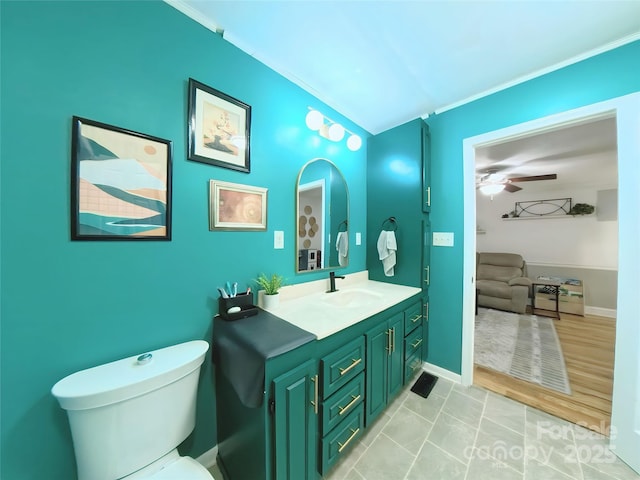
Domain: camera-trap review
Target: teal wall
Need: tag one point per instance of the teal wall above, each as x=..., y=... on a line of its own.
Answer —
x=599, y=78
x=72, y=305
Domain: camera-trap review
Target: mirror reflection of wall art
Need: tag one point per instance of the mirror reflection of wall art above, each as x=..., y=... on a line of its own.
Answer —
x=120, y=184
x=233, y=206
x=219, y=128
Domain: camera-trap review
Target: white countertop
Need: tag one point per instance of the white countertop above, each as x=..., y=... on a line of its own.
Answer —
x=309, y=307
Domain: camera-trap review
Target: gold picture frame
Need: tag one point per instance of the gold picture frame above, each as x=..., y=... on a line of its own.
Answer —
x=233, y=206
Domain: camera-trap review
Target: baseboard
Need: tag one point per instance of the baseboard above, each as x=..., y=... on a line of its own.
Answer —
x=208, y=458
x=441, y=372
x=601, y=312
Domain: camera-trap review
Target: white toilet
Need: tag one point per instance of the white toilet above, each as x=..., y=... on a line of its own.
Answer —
x=128, y=417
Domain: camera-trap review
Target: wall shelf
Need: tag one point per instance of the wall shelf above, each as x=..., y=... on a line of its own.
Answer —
x=545, y=217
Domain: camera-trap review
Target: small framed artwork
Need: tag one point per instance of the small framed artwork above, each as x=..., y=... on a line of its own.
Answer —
x=120, y=183
x=237, y=207
x=219, y=128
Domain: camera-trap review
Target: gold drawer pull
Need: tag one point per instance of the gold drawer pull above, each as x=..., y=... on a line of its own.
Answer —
x=353, y=434
x=416, y=318
x=344, y=409
x=415, y=345
x=355, y=362
x=314, y=379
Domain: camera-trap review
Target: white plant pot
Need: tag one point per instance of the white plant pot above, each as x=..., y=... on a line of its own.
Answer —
x=270, y=301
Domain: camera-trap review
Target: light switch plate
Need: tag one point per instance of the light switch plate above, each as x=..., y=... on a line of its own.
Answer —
x=443, y=239
x=278, y=239
x=358, y=238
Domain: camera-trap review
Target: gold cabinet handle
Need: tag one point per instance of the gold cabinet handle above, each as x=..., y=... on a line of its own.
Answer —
x=355, y=362
x=415, y=345
x=393, y=339
x=314, y=379
x=416, y=318
x=426, y=311
x=389, y=341
x=344, y=445
x=428, y=274
x=355, y=398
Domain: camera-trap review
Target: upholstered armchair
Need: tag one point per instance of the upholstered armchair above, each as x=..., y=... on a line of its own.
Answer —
x=501, y=281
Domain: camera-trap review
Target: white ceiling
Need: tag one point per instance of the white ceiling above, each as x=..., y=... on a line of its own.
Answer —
x=583, y=154
x=382, y=63
x=385, y=62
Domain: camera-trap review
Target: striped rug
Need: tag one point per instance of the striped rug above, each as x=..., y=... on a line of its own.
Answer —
x=523, y=346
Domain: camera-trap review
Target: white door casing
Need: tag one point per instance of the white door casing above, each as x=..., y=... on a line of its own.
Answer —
x=625, y=418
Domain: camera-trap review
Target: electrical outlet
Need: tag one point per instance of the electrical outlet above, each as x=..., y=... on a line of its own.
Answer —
x=278, y=239
x=443, y=239
x=358, y=238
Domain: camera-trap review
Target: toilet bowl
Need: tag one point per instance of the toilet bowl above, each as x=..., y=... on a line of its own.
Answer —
x=127, y=417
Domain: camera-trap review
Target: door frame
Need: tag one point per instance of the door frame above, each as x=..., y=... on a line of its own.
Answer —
x=625, y=416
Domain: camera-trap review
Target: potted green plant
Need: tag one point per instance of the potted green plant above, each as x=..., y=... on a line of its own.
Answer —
x=271, y=289
x=581, y=209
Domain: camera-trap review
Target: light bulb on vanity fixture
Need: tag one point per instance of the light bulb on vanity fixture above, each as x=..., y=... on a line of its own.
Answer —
x=331, y=130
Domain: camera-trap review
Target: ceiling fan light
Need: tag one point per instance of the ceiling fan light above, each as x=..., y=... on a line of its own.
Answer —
x=491, y=188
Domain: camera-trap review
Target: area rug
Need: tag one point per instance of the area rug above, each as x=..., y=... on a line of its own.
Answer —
x=523, y=346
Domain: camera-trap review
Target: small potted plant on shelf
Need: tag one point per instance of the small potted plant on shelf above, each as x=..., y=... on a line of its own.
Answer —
x=271, y=289
x=581, y=209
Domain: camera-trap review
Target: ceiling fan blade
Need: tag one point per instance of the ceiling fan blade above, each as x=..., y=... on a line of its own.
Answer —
x=511, y=188
x=534, y=178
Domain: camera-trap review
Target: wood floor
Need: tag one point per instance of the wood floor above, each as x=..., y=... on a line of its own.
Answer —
x=588, y=347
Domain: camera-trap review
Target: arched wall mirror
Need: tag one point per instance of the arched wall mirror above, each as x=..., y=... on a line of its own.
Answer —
x=322, y=217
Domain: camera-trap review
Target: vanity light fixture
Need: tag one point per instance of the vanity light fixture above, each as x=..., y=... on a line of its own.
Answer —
x=331, y=130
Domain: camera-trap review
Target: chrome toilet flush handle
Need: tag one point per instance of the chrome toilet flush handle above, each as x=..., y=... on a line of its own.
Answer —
x=144, y=358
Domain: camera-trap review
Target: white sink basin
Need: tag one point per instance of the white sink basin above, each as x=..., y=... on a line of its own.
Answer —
x=352, y=298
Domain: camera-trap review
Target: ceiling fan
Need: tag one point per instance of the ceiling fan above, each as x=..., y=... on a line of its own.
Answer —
x=493, y=182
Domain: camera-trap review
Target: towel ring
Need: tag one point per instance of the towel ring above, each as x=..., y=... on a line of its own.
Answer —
x=346, y=225
x=392, y=221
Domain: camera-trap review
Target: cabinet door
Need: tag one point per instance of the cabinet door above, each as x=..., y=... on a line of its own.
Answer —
x=378, y=343
x=295, y=424
x=395, y=359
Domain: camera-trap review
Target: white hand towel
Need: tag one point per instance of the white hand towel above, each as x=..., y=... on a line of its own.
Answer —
x=387, y=247
x=342, y=246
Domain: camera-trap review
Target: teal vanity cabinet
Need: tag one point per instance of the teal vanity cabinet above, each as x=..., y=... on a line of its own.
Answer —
x=415, y=338
x=342, y=397
x=266, y=381
x=385, y=364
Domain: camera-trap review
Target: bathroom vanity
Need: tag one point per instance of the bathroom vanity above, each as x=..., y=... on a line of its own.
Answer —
x=317, y=371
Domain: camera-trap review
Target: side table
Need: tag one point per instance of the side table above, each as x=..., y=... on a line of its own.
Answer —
x=554, y=288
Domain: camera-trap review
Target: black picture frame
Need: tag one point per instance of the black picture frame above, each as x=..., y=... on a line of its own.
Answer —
x=219, y=128
x=120, y=183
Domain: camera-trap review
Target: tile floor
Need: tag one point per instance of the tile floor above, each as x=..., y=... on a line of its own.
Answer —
x=472, y=434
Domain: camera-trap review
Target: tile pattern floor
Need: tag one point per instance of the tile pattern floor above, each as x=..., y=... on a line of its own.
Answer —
x=472, y=434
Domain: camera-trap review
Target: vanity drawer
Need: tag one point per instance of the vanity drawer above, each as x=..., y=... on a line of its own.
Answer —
x=339, y=405
x=412, y=366
x=339, y=367
x=413, y=342
x=412, y=316
x=341, y=438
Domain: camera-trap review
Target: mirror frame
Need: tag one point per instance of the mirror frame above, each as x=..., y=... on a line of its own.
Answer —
x=297, y=214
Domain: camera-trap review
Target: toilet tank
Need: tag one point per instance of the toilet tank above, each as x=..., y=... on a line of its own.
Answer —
x=126, y=414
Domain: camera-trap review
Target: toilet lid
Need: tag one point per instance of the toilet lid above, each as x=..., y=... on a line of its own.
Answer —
x=185, y=468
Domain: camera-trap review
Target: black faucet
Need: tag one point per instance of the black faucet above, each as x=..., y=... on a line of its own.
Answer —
x=332, y=281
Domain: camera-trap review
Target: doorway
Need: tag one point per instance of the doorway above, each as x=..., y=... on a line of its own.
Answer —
x=626, y=389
